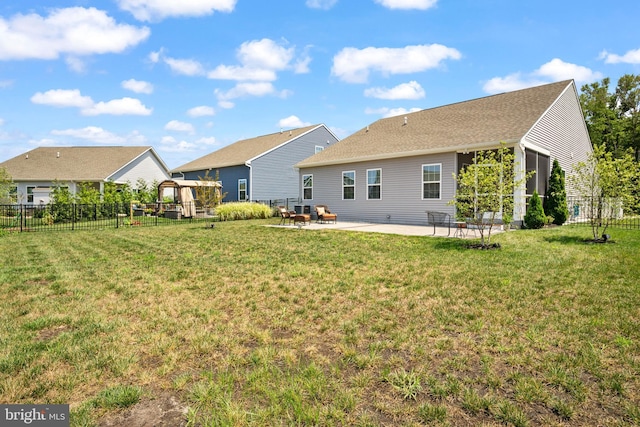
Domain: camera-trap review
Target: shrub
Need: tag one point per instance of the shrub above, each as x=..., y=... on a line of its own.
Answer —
x=556, y=199
x=535, y=217
x=243, y=210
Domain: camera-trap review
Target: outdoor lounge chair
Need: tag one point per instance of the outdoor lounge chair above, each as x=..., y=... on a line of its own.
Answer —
x=286, y=215
x=325, y=215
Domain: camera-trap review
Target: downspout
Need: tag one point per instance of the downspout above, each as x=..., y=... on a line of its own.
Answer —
x=250, y=183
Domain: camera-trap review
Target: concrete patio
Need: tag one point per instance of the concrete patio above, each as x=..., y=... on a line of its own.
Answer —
x=407, y=230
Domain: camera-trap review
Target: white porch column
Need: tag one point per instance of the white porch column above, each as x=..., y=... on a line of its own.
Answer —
x=520, y=192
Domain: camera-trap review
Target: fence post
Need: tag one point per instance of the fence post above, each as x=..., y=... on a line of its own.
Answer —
x=22, y=212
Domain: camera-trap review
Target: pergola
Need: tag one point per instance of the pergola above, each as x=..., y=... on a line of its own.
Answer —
x=183, y=192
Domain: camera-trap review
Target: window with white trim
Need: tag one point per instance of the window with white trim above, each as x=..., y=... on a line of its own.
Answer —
x=374, y=184
x=431, y=181
x=242, y=189
x=348, y=185
x=30, y=194
x=319, y=148
x=307, y=187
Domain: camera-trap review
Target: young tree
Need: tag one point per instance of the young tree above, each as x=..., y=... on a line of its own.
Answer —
x=209, y=195
x=146, y=193
x=88, y=194
x=487, y=187
x=61, y=202
x=5, y=186
x=606, y=185
x=110, y=193
x=535, y=217
x=556, y=200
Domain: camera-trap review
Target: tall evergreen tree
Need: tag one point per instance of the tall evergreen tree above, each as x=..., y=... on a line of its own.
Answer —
x=556, y=205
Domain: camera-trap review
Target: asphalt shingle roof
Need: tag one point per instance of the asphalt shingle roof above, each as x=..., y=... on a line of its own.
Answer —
x=483, y=121
x=241, y=151
x=71, y=163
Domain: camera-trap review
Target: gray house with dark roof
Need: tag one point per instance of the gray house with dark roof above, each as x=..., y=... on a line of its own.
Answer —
x=35, y=172
x=260, y=168
x=397, y=168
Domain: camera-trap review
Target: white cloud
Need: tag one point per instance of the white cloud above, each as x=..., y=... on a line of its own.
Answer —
x=137, y=86
x=100, y=136
x=73, y=98
x=118, y=107
x=301, y=66
x=171, y=145
x=1, y=121
x=292, y=122
x=265, y=53
x=226, y=72
x=62, y=98
x=510, y=83
x=552, y=71
x=74, y=31
x=411, y=90
x=246, y=89
x=321, y=4
x=5, y=83
x=259, y=61
x=354, y=65
x=155, y=57
x=201, y=111
x=76, y=64
x=178, y=126
x=91, y=133
x=188, y=67
x=557, y=70
x=631, y=57
x=407, y=4
x=156, y=10
x=390, y=112
x=227, y=105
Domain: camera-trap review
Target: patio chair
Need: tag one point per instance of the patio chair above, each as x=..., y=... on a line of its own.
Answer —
x=286, y=215
x=325, y=215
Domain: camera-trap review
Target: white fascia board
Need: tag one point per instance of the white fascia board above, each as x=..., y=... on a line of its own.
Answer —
x=534, y=147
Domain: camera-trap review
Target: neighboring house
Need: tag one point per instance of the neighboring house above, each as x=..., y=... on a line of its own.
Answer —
x=260, y=168
x=37, y=171
x=397, y=168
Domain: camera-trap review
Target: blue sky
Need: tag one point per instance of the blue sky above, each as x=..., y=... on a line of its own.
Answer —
x=191, y=76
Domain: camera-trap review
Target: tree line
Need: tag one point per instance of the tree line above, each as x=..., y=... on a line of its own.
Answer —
x=613, y=116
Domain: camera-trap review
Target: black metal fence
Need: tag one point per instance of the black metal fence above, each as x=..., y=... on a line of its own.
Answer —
x=582, y=210
x=52, y=217
x=289, y=203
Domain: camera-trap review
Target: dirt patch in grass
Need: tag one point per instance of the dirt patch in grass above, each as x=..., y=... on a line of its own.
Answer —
x=165, y=410
x=483, y=247
x=48, y=334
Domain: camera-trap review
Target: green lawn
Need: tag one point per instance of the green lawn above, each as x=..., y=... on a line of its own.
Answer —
x=253, y=325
